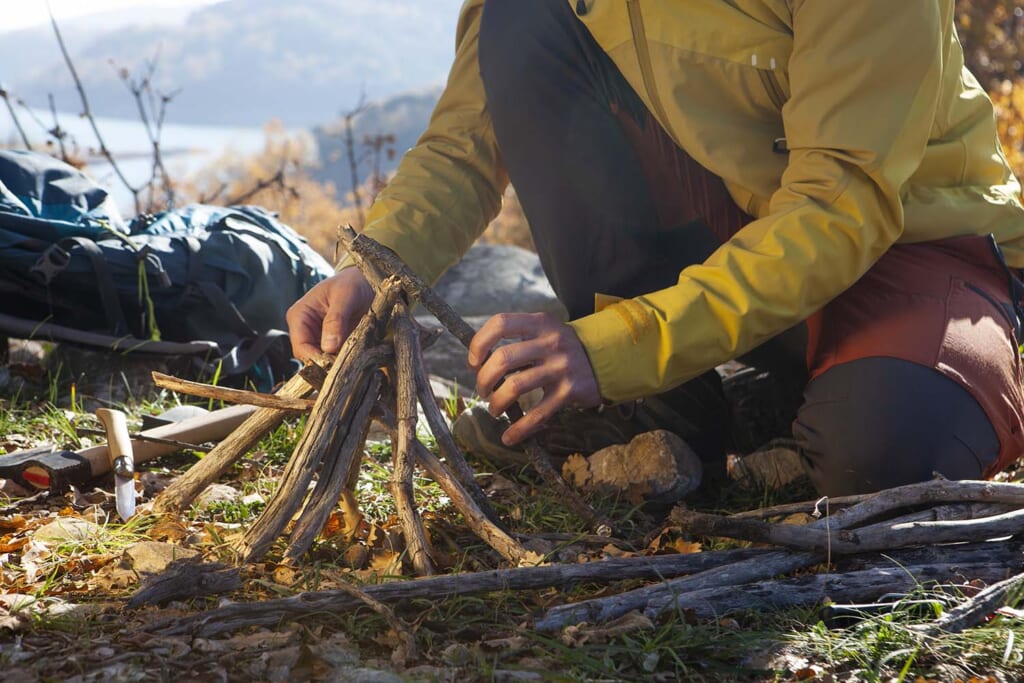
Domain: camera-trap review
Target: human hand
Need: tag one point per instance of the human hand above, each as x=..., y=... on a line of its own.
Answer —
x=323, y=318
x=548, y=355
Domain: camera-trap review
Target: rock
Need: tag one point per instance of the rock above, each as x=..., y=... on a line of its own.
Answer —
x=655, y=467
x=495, y=278
x=152, y=557
x=217, y=493
x=447, y=357
x=771, y=469
x=66, y=529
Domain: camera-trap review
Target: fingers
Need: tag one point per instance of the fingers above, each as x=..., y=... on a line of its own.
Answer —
x=533, y=421
x=508, y=359
x=505, y=326
x=327, y=313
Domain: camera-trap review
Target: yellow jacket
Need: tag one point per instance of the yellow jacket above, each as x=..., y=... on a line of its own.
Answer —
x=889, y=140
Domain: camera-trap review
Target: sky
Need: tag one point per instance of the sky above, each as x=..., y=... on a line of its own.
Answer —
x=17, y=14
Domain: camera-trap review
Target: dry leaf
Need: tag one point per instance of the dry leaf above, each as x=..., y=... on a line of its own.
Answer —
x=684, y=547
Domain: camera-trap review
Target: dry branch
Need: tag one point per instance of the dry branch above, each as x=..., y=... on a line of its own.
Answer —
x=182, y=491
x=334, y=472
x=403, y=458
x=271, y=612
x=229, y=395
x=374, y=259
x=978, y=608
x=880, y=536
x=731, y=575
x=850, y=587
x=355, y=360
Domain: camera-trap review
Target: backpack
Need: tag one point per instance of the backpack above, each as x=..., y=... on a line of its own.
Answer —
x=220, y=276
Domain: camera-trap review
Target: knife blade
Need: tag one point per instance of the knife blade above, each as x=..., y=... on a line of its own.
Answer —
x=122, y=460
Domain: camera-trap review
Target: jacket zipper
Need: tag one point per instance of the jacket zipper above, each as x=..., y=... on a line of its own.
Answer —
x=771, y=85
x=643, y=55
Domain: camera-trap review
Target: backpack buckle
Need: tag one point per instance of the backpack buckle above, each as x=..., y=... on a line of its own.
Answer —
x=51, y=263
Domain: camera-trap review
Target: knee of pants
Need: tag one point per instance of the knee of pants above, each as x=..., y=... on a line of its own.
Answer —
x=877, y=423
x=512, y=43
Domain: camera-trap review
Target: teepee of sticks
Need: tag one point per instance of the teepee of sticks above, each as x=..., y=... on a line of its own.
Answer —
x=378, y=375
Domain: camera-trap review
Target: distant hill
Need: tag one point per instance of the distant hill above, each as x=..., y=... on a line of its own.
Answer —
x=244, y=62
x=404, y=116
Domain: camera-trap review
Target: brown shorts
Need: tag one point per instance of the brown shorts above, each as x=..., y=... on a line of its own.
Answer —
x=947, y=305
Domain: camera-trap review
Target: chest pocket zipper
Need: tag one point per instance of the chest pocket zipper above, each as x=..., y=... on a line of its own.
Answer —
x=772, y=87
x=643, y=55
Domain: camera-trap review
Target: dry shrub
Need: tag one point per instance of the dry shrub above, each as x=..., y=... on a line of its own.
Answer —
x=509, y=226
x=277, y=178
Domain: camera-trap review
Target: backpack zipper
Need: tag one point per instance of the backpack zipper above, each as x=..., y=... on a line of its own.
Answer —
x=643, y=55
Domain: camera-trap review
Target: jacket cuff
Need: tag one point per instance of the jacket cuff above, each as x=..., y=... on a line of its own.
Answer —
x=616, y=345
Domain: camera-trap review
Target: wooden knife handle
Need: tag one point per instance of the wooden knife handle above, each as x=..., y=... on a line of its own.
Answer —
x=115, y=423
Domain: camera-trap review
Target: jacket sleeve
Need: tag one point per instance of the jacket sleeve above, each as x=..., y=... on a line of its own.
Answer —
x=864, y=83
x=449, y=185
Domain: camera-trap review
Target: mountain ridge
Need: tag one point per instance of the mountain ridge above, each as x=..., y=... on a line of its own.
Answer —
x=245, y=62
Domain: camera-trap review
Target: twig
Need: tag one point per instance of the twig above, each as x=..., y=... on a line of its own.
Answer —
x=403, y=458
x=406, y=649
x=976, y=609
x=483, y=525
x=366, y=250
x=183, y=490
x=87, y=112
x=348, y=372
x=229, y=395
x=14, y=117
x=335, y=470
x=350, y=153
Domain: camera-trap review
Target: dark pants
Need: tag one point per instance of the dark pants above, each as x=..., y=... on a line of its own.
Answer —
x=617, y=208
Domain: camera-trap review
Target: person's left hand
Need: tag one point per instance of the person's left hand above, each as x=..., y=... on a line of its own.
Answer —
x=547, y=355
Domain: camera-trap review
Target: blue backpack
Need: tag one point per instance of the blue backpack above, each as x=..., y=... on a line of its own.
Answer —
x=220, y=276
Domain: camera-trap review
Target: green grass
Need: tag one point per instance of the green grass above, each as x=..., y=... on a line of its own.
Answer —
x=470, y=636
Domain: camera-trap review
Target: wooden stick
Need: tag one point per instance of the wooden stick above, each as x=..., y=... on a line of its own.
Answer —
x=926, y=493
x=977, y=609
x=477, y=520
x=402, y=452
x=183, y=490
x=851, y=587
x=446, y=442
x=375, y=257
x=731, y=575
x=269, y=612
x=333, y=476
x=349, y=368
x=229, y=395
x=881, y=536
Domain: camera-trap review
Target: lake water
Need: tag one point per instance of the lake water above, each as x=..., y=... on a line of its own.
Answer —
x=186, y=148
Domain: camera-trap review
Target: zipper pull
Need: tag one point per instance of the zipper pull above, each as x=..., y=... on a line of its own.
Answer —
x=581, y=7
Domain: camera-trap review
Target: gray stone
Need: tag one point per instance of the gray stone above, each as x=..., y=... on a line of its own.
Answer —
x=496, y=278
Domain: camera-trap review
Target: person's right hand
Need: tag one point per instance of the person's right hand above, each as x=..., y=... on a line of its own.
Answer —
x=324, y=317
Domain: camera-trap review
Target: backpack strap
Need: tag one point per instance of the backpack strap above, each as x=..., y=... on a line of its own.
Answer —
x=55, y=260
